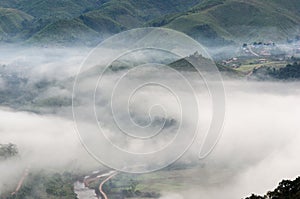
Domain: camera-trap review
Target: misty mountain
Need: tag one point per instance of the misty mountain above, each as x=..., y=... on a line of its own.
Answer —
x=212, y=21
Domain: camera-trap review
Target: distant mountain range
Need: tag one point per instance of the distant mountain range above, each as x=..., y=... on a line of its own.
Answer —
x=214, y=22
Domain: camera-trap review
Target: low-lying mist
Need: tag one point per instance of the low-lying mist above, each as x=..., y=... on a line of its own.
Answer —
x=258, y=148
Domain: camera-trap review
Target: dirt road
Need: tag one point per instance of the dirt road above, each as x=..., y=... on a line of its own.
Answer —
x=104, y=196
x=25, y=174
x=252, y=52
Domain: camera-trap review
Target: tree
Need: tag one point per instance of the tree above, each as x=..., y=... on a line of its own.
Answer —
x=287, y=189
x=8, y=150
x=255, y=197
x=132, y=185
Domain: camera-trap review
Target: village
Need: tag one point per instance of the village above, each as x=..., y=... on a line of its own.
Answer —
x=257, y=54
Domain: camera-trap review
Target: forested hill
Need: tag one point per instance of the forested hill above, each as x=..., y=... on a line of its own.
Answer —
x=84, y=21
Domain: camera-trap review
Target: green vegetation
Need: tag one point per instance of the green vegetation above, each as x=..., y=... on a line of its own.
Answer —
x=66, y=21
x=185, y=65
x=214, y=22
x=46, y=186
x=53, y=102
x=226, y=20
x=101, y=23
x=12, y=22
x=60, y=186
x=125, y=185
x=287, y=189
x=65, y=31
x=289, y=72
x=8, y=150
x=150, y=185
x=206, y=4
x=51, y=10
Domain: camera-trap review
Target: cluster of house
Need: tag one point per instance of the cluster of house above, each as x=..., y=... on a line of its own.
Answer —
x=263, y=51
x=261, y=48
x=233, y=62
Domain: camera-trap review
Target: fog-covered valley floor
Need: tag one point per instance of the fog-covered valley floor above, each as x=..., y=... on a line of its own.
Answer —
x=258, y=147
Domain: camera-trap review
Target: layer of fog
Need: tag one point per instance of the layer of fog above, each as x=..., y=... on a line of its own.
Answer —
x=258, y=147
x=44, y=142
x=41, y=63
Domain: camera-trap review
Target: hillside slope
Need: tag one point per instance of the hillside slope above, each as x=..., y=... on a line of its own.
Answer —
x=113, y=16
x=52, y=9
x=65, y=31
x=220, y=21
x=12, y=22
x=213, y=22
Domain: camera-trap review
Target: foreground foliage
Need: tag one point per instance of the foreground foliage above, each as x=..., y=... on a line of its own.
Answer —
x=287, y=189
x=45, y=186
x=8, y=150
